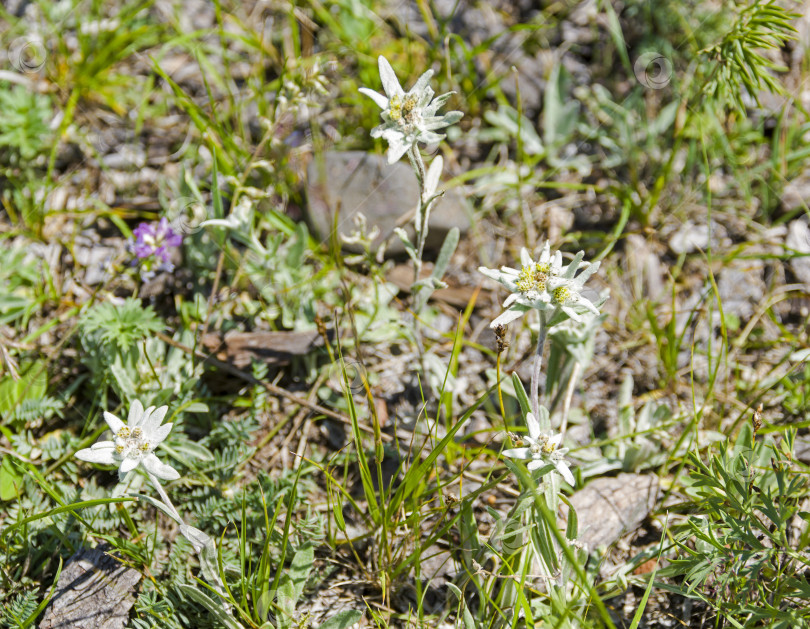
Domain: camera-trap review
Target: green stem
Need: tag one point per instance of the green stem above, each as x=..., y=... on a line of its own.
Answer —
x=569, y=393
x=163, y=495
x=420, y=224
x=534, y=396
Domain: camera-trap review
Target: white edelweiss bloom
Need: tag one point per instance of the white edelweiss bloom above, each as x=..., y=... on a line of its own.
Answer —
x=528, y=286
x=408, y=117
x=543, y=448
x=133, y=443
x=545, y=285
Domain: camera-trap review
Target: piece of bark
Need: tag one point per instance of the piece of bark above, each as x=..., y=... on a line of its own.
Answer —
x=94, y=590
x=610, y=507
x=348, y=183
x=402, y=277
x=273, y=348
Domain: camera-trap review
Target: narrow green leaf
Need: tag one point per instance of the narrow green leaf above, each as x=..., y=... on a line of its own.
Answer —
x=342, y=620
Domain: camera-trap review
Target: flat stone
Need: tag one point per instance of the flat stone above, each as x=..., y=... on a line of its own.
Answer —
x=742, y=287
x=798, y=242
x=347, y=183
x=612, y=506
x=796, y=193
x=94, y=590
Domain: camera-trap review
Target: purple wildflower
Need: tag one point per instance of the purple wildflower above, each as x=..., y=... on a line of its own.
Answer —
x=152, y=244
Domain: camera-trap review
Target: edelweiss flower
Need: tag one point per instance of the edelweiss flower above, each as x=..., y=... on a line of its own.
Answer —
x=409, y=117
x=133, y=443
x=543, y=448
x=544, y=285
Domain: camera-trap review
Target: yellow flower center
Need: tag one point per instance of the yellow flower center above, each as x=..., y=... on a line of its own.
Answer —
x=395, y=108
x=130, y=443
x=533, y=278
x=408, y=108
x=561, y=295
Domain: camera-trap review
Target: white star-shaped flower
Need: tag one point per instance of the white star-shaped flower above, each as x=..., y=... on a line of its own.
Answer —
x=545, y=285
x=543, y=448
x=408, y=117
x=133, y=443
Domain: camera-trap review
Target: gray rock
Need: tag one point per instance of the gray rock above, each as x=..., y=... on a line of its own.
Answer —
x=798, y=242
x=347, y=183
x=796, y=193
x=94, y=590
x=609, y=507
x=742, y=287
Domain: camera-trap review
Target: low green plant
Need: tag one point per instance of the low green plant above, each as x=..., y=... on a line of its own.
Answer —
x=741, y=550
x=26, y=138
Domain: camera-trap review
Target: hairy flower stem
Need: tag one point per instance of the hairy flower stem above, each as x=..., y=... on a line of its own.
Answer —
x=534, y=394
x=163, y=495
x=421, y=228
x=212, y=574
x=420, y=224
x=569, y=393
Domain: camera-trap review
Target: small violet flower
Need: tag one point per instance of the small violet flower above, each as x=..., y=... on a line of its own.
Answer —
x=408, y=117
x=543, y=448
x=544, y=285
x=152, y=243
x=133, y=443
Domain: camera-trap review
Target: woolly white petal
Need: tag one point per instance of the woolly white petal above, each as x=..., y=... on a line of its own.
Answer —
x=422, y=85
x=135, y=414
x=161, y=470
x=436, y=123
x=397, y=147
x=545, y=254
x=525, y=257
x=492, y=274
x=160, y=433
x=562, y=468
x=507, y=317
x=145, y=420
x=113, y=422
x=127, y=465
x=571, y=313
x=97, y=455
x=534, y=425
x=518, y=453
x=382, y=101
x=428, y=137
x=154, y=420
x=389, y=79
x=536, y=464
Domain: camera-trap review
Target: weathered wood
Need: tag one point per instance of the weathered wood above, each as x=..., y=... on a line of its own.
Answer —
x=273, y=348
x=609, y=507
x=94, y=590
